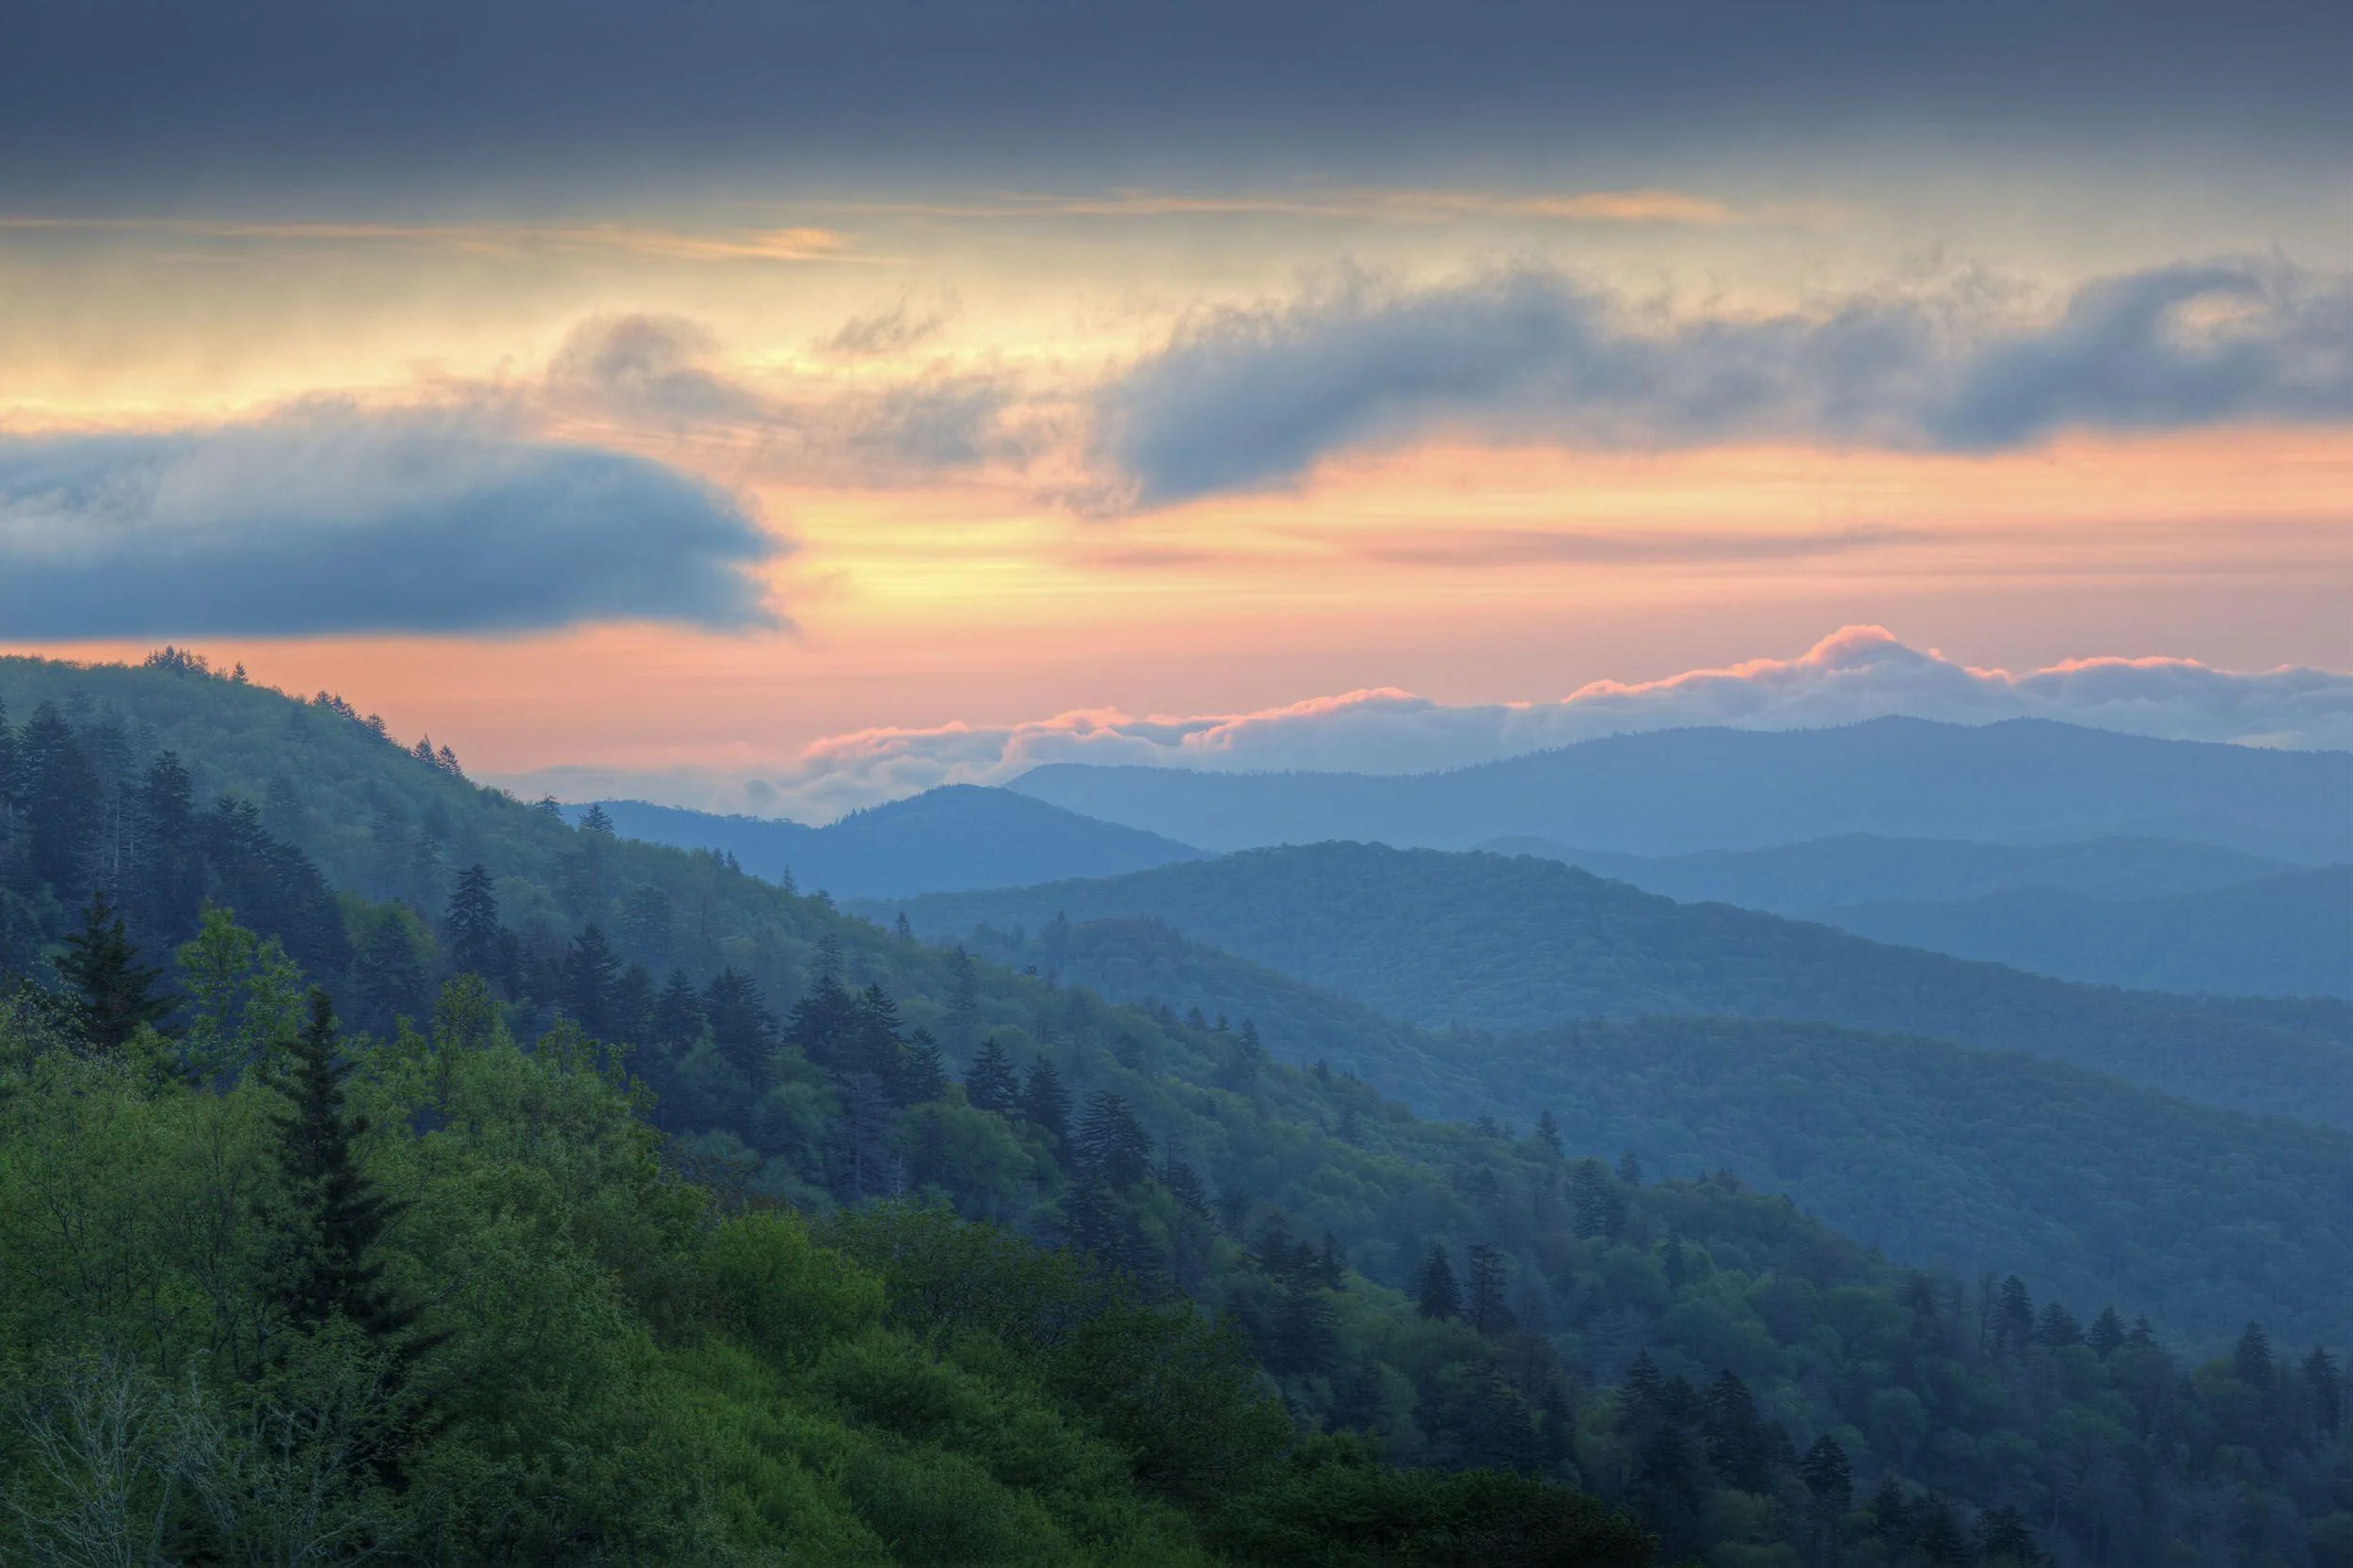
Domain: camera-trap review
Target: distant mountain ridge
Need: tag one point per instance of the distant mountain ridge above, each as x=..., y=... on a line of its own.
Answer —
x=949, y=838
x=2141, y=913
x=1677, y=791
x=1486, y=942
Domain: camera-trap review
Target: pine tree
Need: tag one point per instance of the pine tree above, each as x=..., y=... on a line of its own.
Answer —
x=1629, y=1169
x=167, y=897
x=989, y=1083
x=741, y=1024
x=923, y=1072
x=1437, y=1295
x=597, y=822
x=1830, y=1484
x=472, y=924
x=2251, y=1359
x=2107, y=1332
x=964, y=1002
x=874, y=1046
x=117, y=993
x=1597, y=1203
x=1738, y=1443
x=1044, y=1101
x=1184, y=1185
x=1484, y=1304
x=1641, y=1395
x=824, y=1022
x=2325, y=1383
x=678, y=1014
x=336, y=1215
x=1330, y=1271
x=1548, y=1132
x=1111, y=1146
x=2003, y=1538
x=2013, y=1317
x=903, y=931
x=1239, y=1070
x=590, y=972
x=59, y=792
x=2055, y=1326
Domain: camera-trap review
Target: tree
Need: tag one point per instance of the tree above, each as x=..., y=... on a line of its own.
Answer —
x=2055, y=1326
x=2013, y=1317
x=472, y=924
x=678, y=1014
x=1111, y=1146
x=1739, y=1444
x=590, y=973
x=823, y=1023
x=1548, y=1132
x=989, y=1083
x=2250, y=1359
x=1830, y=1487
x=59, y=789
x=1184, y=1185
x=1629, y=1169
x=1239, y=1070
x=741, y=1024
x=1484, y=1304
x=1044, y=1101
x=117, y=993
x=1437, y=1295
x=1597, y=1203
x=325, y=1267
x=923, y=1073
x=964, y=1002
x=2107, y=1332
x=2003, y=1538
x=2325, y=1383
x=167, y=897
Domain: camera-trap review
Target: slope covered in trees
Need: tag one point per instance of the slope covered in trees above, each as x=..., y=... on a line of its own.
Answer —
x=1750, y=1385
x=1486, y=942
x=1939, y=1155
x=955, y=837
x=1681, y=791
x=2132, y=912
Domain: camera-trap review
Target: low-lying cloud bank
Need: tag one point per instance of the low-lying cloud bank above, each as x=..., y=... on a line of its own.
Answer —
x=329, y=518
x=1860, y=672
x=1244, y=399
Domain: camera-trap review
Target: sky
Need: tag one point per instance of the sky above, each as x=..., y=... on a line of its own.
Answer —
x=785, y=406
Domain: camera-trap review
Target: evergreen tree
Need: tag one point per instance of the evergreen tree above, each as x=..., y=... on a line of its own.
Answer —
x=1829, y=1478
x=903, y=931
x=873, y=1045
x=1629, y=1169
x=471, y=924
x=2106, y=1334
x=60, y=793
x=1676, y=1267
x=964, y=1002
x=1643, y=1401
x=1548, y=1132
x=116, y=992
x=1111, y=1146
x=678, y=1014
x=1330, y=1273
x=1184, y=1185
x=989, y=1083
x=1936, y=1531
x=597, y=822
x=1437, y=1295
x=2250, y=1359
x=590, y=973
x=388, y=974
x=2055, y=1326
x=2004, y=1539
x=1597, y=1203
x=1044, y=1101
x=741, y=1024
x=645, y=923
x=336, y=1215
x=2013, y=1317
x=1239, y=1069
x=825, y=1022
x=1484, y=1304
x=168, y=896
x=2324, y=1383
x=923, y=1072
x=1739, y=1444
x=1305, y=1338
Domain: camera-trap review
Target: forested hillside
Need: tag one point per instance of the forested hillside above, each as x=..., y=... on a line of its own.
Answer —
x=1486, y=942
x=499, y=1268
x=955, y=837
x=2290, y=934
x=1858, y=868
x=1681, y=791
x=2141, y=913
x=1941, y=1155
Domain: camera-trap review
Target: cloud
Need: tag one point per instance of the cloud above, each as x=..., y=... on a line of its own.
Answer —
x=330, y=518
x=890, y=331
x=1490, y=547
x=1252, y=398
x=1857, y=673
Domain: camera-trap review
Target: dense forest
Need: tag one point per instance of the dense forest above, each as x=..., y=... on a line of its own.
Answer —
x=1488, y=942
x=606, y=1203
x=1939, y=1154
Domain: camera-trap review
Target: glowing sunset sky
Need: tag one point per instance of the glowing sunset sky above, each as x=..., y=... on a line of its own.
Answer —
x=666, y=394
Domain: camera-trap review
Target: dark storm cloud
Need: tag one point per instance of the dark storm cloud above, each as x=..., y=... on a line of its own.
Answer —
x=104, y=98
x=329, y=520
x=1243, y=399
